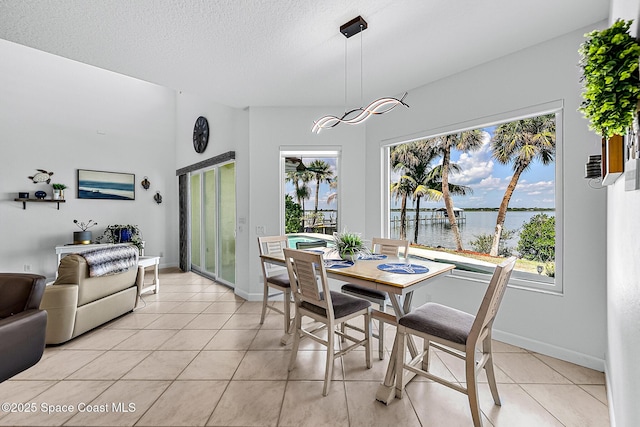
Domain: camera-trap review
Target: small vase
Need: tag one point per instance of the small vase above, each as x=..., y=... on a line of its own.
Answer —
x=57, y=195
x=81, y=237
x=125, y=235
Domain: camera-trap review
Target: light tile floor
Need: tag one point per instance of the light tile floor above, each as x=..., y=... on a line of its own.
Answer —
x=197, y=355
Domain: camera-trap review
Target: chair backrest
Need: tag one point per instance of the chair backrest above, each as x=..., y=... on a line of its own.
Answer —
x=271, y=245
x=308, y=279
x=313, y=244
x=389, y=247
x=492, y=299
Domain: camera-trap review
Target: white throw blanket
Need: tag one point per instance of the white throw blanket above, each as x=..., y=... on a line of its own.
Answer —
x=112, y=260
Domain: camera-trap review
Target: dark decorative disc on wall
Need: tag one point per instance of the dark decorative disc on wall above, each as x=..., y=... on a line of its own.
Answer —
x=200, y=134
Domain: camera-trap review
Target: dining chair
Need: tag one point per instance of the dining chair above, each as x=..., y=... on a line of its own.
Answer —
x=310, y=288
x=275, y=277
x=457, y=333
x=312, y=244
x=389, y=247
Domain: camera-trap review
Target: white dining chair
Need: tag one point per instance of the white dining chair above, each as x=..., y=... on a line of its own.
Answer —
x=457, y=333
x=275, y=277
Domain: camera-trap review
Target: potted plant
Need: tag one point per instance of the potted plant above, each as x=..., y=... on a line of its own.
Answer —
x=122, y=233
x=83, y=237
x=609, y=61
x=611, y=82
x=58, y=191
x=349, y=245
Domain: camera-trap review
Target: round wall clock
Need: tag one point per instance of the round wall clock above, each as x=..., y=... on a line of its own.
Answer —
x=200, y=134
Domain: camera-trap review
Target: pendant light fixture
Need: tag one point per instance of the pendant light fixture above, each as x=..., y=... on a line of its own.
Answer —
x=357, y=115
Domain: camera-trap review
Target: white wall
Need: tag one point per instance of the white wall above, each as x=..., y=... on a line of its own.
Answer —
x=623, y=280
x=60, y=115
x=571, y=326
x=272, y=128
x=228, y=131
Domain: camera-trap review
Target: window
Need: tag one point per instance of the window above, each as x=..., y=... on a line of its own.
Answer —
x=501, y=198
x=310, y=191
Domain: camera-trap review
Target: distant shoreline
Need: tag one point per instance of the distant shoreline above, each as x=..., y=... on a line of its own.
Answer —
x=481, y=209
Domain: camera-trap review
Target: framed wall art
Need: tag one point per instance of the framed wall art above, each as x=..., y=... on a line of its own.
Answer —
x=106, y=185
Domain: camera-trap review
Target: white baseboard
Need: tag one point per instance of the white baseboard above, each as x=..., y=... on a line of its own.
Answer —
x=551, y=350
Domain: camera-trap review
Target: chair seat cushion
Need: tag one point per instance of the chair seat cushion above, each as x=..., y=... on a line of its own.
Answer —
x=365, y=292
x=343, y=305
x=281, y=280
x=440, y=321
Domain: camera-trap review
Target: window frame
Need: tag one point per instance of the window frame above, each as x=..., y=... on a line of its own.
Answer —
x=519, y=280
x=304, y=152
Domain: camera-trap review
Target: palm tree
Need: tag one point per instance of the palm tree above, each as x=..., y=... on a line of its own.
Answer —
x=521, y=142
x=322, y=172
x=465, y=141
x=302, y=192
x=430, y=186
x=402, y=157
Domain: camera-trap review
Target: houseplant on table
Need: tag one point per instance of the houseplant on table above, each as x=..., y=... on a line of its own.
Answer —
x=122, y=233
x=83, y=237
x=349, y=245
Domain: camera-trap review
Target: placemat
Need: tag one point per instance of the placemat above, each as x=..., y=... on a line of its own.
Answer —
x=372, y=257
x=337, y=263
x=402, y=268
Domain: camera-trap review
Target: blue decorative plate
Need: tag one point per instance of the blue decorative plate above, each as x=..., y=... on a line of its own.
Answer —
x=40, y=194
x=372, y=257
x=337, y=263
x=402, y=268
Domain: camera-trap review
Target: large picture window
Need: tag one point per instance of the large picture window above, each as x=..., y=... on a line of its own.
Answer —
x=475, y=196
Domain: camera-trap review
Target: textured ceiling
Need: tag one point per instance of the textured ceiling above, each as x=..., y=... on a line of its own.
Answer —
x=289, y=52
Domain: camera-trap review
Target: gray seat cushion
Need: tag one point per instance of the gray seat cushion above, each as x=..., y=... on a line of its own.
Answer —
x=281, y=280
x=365, y=292
x=343, y=305
x=440, y=321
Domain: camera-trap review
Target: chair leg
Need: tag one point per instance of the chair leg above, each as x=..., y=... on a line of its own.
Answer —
x=265, y=300
x=296, y=340
x=381, y=334
x=472, y=389
x=328, y=372
x=287, y=310
x=491, y=377
x=425, y=355
x=368, y=335
x=398, y=351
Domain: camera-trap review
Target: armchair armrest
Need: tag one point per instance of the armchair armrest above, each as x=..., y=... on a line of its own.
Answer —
x=61, y=303
x=22, y=340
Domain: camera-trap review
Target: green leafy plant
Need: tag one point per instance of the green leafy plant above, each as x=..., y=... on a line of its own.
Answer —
x=538, y=238
x=483, y=242
x=58, y=186
x=349, y=245
x=114, y=234
x=292, y=215
x=611, y=83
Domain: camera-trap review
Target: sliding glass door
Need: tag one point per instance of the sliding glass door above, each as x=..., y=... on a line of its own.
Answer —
x=213, y=222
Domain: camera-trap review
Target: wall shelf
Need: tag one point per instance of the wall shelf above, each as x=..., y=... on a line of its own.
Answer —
x=24, y=201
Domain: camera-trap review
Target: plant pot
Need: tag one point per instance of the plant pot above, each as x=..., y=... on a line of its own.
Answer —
x=57, y=194
x=349, y=256
x=82, y=237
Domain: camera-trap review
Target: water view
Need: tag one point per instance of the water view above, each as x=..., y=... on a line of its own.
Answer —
x=476, y=223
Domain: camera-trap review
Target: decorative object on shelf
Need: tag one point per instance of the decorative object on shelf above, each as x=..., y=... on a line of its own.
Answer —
x=611, y=82
x=612, y=159
x=349, y=245
x=145, y=183
x=200, y=134
x=106, y=185
x=40, y=194
x=58, y=191
x=122, y=233
x=356, y=115
x=41, y=176
x=158, y=197
x=83, y=237
x=23, y=195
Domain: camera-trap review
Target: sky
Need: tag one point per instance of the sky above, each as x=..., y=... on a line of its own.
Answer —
x=487, y=178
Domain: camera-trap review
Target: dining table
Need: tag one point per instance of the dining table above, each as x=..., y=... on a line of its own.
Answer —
x=399, y=277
